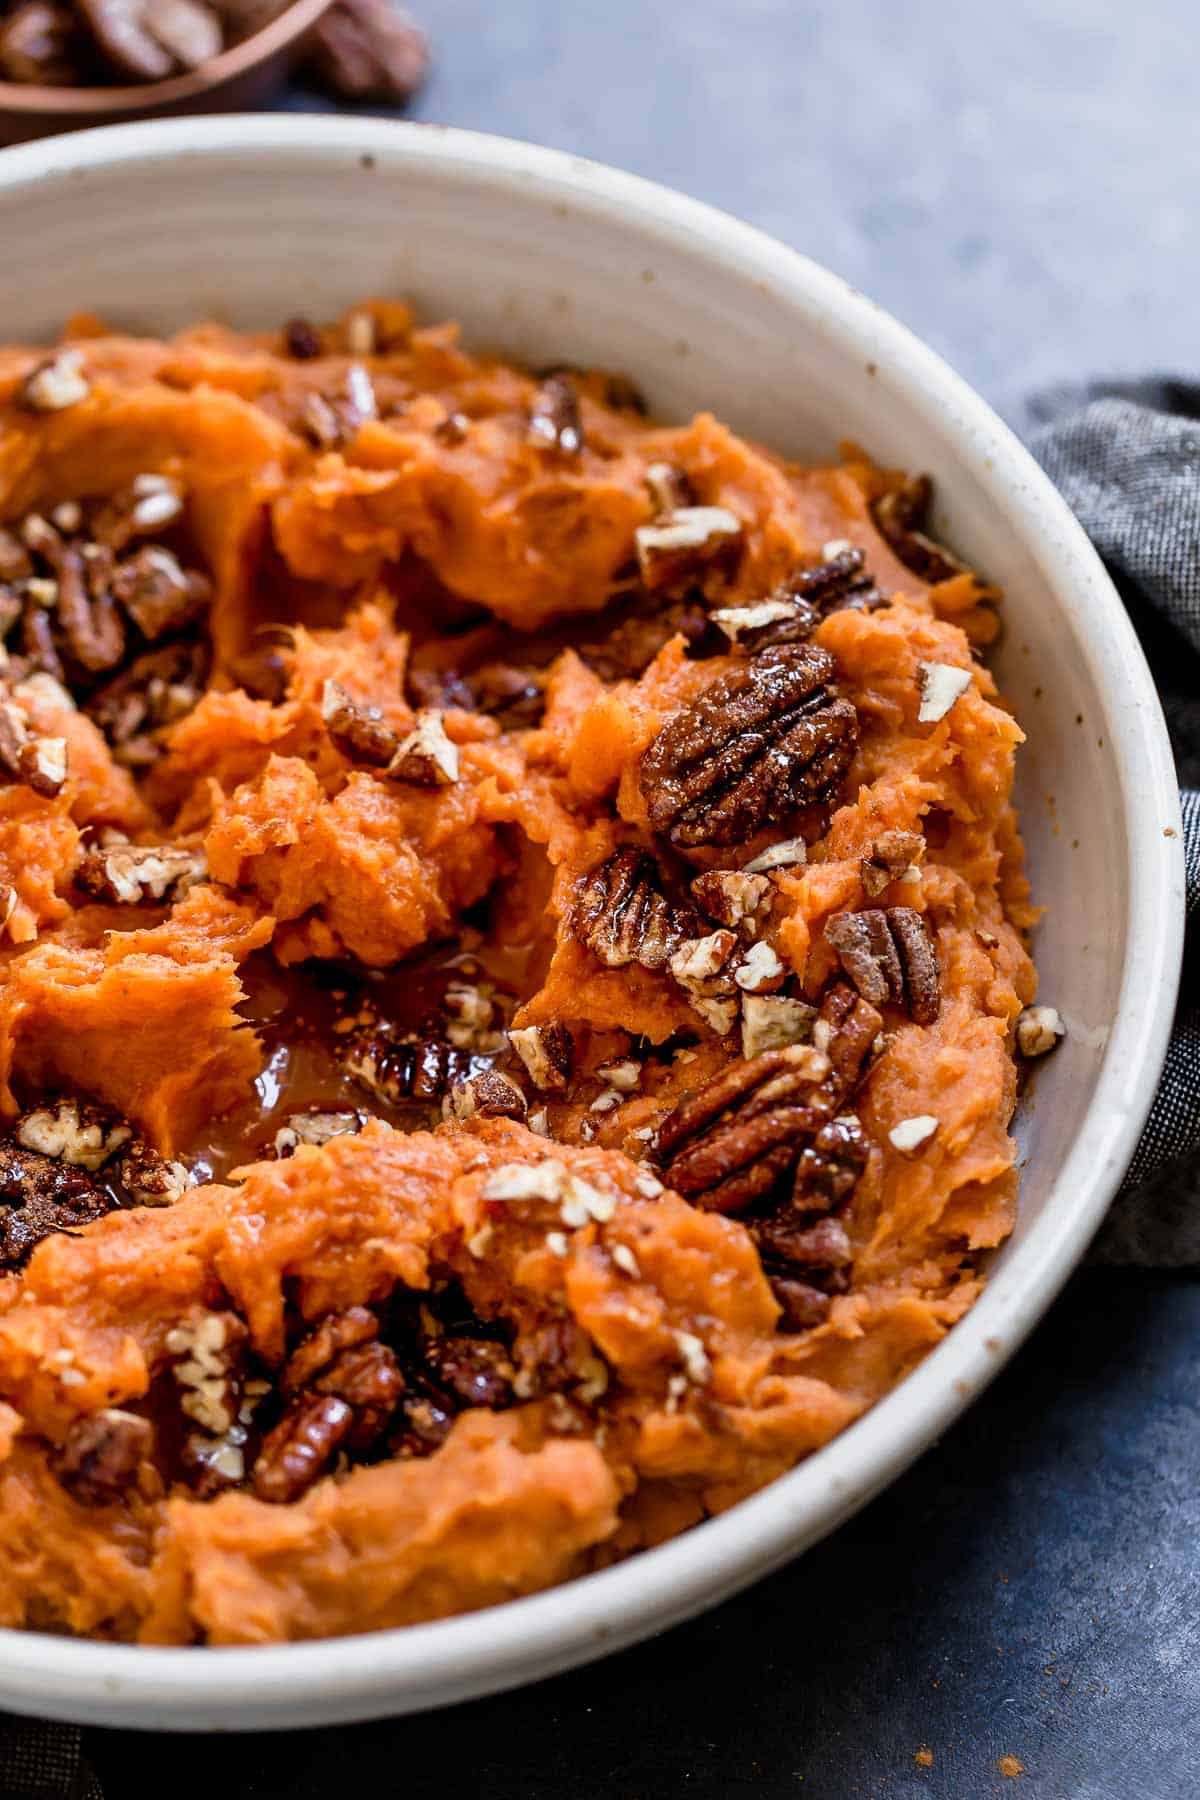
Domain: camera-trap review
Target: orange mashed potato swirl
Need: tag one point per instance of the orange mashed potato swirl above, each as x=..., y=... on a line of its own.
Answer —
x=513, y=937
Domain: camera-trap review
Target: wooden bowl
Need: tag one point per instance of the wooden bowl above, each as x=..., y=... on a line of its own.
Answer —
x=238, y=79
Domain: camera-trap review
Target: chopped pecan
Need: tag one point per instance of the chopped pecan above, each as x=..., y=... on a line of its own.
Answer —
x=486, y=1095
x=830, y=1166
x=139, y=874
x=315, y=1128
x=399, y=1069
x=759, y=743
x=158, y=593
x=1039, y=1029
x=704, y=968
x=57, y=382
x=801, y=1304
x=684, y=544
x=424, y=1424
x=99, y=1458
x=357, y=729
x=153, y=692
x=148, y=1178
x=72, y=1131
x=87, y=617
x=301, y=1447
x=891, y=855
x=554, y=422
x=773, y=1021
x=301, y=339
x=209, y=1369
x=901, y=516
x=426, y=756
x=513, y=695
x=889, y=955
x=151, y=502
x=940, y=685
x=794, y=609
x=670, y=489
x=334, y=420
x=846, y=1030
x=733, y=898
x=793, y=1237
x=39, y=762
x=547, y=1052
x=623, y=916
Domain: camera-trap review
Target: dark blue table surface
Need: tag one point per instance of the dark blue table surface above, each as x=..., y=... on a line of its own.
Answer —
x=1018, y=183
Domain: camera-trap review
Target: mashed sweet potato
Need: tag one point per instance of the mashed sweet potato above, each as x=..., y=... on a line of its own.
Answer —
x=513, y=940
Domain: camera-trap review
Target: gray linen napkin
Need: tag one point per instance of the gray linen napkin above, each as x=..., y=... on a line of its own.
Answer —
x=1127, y=458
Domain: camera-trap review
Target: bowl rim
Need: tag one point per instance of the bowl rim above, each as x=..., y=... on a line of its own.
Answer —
x=38, y=100
x=407, y=1668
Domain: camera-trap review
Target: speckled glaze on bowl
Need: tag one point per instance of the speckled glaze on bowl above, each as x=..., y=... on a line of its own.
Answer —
x=553, y=258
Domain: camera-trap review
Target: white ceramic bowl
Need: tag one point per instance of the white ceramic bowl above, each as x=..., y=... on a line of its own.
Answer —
x=552, y=257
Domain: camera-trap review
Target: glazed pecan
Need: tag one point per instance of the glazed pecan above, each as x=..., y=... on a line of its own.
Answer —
x=40, y=1195
x=88, y=619
x=426, y=756
x=331, y=1335
x=148, y=1179
x=486, y=1095
x=729, y=1145
x=399, y=1069
x=357, y=729
x=889, y=955
x=315, y=1128
x=72, y=1131
x=762, y=741
x=472, y=1371
x=623, y=916
x=301, y=1447
x=100, y=1456
x=901, y=516
x=139, y=874
x=554, y=422
x=793, y=610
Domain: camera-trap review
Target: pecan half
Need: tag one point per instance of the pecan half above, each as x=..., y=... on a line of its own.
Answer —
x=729, y=1145
x=554, y=421
x=901, y=516
x=99, y=1458
x=301, y=1447
x=139, y=874
x=357, y=729
x=39, y=42
x=623, y=916
x=326, y=1341
x=889, y=955
x=473, y=1371
x=343, y=1357
x=761, y=742
x=88, y=619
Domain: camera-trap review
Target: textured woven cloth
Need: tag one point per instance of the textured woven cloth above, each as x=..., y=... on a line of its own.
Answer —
x=1127, y=458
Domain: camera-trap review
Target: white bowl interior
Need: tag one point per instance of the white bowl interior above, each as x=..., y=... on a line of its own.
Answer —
x=254, y=220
